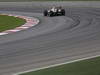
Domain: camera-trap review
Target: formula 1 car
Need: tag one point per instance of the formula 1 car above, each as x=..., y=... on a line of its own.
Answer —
x=54, y=11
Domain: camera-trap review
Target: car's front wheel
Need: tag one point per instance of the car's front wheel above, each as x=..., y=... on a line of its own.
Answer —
x=63, y=12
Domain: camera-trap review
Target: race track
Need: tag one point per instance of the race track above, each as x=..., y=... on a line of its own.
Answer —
x=54, y=40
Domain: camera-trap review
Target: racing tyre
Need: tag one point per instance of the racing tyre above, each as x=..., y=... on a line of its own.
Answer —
x=63, y=12
x=45, y=13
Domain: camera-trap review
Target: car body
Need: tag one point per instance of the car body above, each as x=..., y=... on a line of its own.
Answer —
x=54, y=11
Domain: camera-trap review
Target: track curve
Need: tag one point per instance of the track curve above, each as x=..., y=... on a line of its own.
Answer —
x=54, y=40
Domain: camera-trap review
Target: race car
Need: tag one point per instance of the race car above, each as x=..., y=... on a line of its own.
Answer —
x=54, y=11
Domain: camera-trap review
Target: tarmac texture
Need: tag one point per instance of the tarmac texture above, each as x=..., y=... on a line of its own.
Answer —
x=54, y=40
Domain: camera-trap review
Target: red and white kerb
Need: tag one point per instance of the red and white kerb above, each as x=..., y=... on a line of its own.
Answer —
x=30, y=22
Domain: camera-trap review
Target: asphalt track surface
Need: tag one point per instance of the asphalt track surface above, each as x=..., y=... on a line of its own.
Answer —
x=54, y=40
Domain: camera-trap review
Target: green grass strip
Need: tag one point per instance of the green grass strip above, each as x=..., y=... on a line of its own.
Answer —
x=84, y=67
x=10, y=22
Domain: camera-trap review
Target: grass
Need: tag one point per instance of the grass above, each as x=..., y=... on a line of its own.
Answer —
x=10, y=22
x=84, y=67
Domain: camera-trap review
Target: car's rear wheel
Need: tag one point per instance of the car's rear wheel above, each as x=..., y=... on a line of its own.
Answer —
x=45, y=13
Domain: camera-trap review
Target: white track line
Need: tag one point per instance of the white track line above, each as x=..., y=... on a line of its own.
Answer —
x=55, y=65
x=30, y=22
x=3, y=33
